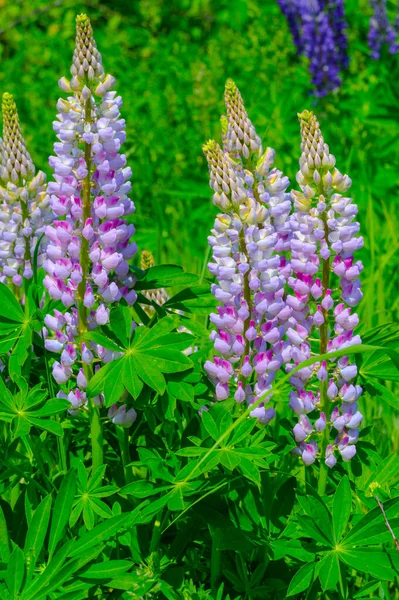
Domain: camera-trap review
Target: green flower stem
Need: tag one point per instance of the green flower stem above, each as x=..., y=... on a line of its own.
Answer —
x=216, y=560
x=324, y=399
x=123, y=436
x=96, y=433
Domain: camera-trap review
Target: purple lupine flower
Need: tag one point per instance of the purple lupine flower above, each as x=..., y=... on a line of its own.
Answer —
x=120, y=416
x=381, y=30
x=336, y=13
x=325, y=288
x=248, y=239
x=320, y=48
x=318, y=29
x=90, y=242
x=24, y=203
x=291, y=9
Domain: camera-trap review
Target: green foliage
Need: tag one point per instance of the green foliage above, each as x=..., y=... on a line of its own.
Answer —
x=196, y=501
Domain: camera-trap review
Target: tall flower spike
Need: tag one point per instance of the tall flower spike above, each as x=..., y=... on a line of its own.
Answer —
x=247, y=240
x=90, y=241
x=241, y=134
x=326, y=286
x=318, y=29
x=381, y=30
x=24, y=203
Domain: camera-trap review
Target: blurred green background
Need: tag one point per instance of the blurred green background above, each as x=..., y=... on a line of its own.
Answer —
x=171, y=59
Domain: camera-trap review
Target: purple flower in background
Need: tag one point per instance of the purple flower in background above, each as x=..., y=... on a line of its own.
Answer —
x=249, y=237
x=325, y=288
x=381, y=30
x=291, y=9
x=90, y=241
x=24, y=203
x=318, y=29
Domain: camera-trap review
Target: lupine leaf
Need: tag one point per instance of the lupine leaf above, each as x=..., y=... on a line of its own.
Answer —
x=301, y=580
x=329, y=572
x=9, y=306
x=37, y=531
x=15, y=572
x=106, y=570
x=62, y=508
x=4, y=539
x=163, y=276
x=342, y=505
x=99, y=534
x=374, y=563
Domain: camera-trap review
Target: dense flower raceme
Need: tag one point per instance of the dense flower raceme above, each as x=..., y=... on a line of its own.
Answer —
x=24, y=203
x=325, y=287
x=318, y=28
x=248, y=240
x=381, y=30
x=89, y=242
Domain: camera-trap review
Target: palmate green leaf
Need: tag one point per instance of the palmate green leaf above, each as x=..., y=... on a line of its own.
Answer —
x=50, y=426
x=37, y=532
x=282, y=547
x=329, y=572
x=4, y=539
x=106, y=570
x=88, y=515
x=386, y=394
x=301, y=580
x=15, y=572
x=311, y=530
x=121, y=324
x=64, y=575
x=100, y=533
x=62, y=508
x=32, y=590
x=101, y=339
x=109, y=380
x=9, y=306
x=210, y=425
x=163, y=276
x=366, y=523
x=152, y=352
x=342, y=505
x=367, y=589
x=316, y=509
x=373, y=562
x=197, y=299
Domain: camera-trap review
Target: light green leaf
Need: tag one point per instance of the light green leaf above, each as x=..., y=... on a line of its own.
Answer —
x=301, y=580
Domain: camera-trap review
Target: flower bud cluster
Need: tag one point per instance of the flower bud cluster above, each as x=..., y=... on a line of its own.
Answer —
x=248, y=242
x=90, y=240
x=24, y=202
x=325, y=287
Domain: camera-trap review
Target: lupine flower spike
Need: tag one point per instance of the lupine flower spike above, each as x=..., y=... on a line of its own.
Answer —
x=381, y=30
x=90, y=242
x=318, y=29
x=325, y=288
x=248, y=240
x=24, y=203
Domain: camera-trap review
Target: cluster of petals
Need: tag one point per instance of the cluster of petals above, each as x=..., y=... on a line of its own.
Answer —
x=248, y=240
x=90, y=240
x=24, y=202
x=324, y=240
